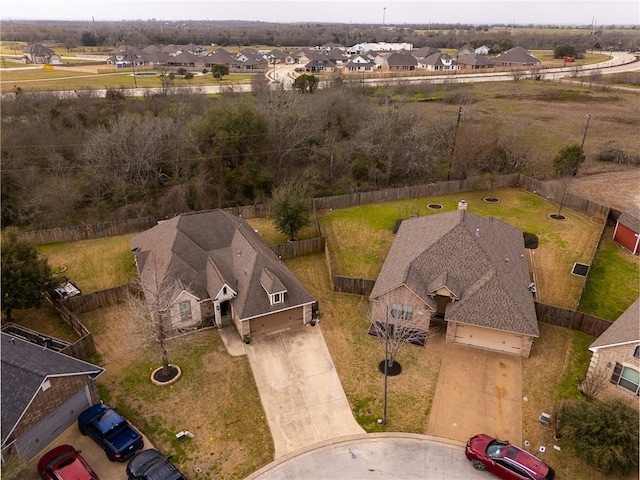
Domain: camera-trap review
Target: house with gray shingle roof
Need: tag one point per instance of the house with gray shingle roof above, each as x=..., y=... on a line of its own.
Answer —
x=401, y=62
x=474, y=61
x=43, y=391
x=516, y=57
x=616, y=356
x=438, y=62
x=464, y=268
x=212, y=268
x=627, y=231
x=37, y=53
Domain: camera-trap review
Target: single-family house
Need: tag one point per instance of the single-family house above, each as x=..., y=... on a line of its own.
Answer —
x=438, y=62
x=474, y=61
x=37, y=53
x=219, y=56
x=466, y=50
x=212, y=268
x=482, y=50
x=43, y=392
x=469, y=270
x=516, y=57
x=615, y=361
x=401, y=62
x=359, y=64
x=627, y=231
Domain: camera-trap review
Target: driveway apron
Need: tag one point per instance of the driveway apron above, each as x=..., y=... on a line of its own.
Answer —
x=478, y=391
x=300, y=390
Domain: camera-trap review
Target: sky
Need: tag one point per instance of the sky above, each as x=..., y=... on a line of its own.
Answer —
x=389, y=12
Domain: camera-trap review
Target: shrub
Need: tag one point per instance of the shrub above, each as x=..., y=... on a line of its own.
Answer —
x=602, y=433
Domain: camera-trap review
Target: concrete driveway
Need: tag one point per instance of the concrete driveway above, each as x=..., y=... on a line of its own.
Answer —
x=92, y=453
x=478, y=391
x=300, y=390
x=375, y=456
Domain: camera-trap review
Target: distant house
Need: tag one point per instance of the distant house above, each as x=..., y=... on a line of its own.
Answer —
x=475, y=61
x=401, y=62
x=627, y=231
x=467, y=269
x=358, y=63
x=212, y=268
x=616, y=356
x=466, y=50
x=482, y=50
x=40, y=54
x=439, y=62
x=43, y=392
x=516, y=57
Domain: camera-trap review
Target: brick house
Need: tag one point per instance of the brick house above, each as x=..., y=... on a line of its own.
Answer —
x=212, y=268
x=43, y=392
x=616, y=356
x=469, y=270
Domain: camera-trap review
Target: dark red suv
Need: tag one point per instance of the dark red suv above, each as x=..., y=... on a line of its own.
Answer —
x=505, y=460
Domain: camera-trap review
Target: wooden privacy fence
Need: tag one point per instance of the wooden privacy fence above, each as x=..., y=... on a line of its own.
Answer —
x=555, y=193
x=300, y=247
x=572, y=319
x=101, y=299
x=416, y=191
x=358, y=286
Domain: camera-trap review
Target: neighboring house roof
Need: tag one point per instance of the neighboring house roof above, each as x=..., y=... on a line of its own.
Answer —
x=424, y=52
x=401, y=59
x=200, y=252
x=220, y=57
x=626, y=329
x=25, y=367
x=438, y=58
x=517, y=55
x=475, y=59
x=631, y=218
x=38, y=50
x=481, y=260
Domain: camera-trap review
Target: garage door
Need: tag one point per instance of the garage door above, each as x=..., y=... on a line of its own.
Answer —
x=29, y=444
x=276, y=322
x=488, y=338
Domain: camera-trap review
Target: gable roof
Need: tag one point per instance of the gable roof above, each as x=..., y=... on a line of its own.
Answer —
x=631, y=218
x=25, y=366
x=401, y=59
x=474, y=59
x=626, y=329
x=200, y=252
x=517, y=55
x=481, y=260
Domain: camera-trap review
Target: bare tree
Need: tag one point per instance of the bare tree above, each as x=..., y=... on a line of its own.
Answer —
x=595, y=382
x=167, y=79
x=398, y=317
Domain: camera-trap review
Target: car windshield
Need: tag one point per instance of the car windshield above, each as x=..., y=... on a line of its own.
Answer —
x=496, y=448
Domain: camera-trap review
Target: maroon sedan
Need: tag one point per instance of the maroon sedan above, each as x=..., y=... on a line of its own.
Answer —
x=65, y=463
x=505, y=460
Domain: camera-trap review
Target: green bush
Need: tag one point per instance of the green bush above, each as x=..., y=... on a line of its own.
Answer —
x=602, y=433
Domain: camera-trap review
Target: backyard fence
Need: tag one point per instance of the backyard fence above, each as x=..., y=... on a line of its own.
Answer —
x=300, y=247
x=358, y=286
x=572, y=319
x=101, y=299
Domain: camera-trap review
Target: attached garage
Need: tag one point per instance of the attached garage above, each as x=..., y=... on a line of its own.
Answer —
x=53, y=424
x=276, y=322
x=489, y=338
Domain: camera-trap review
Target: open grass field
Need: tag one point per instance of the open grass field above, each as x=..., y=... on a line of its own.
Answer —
x=360, y=237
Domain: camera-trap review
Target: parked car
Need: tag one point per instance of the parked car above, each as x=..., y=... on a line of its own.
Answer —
x=505, y=460
x=152, y=465
x=111, y=431
x=65, y=463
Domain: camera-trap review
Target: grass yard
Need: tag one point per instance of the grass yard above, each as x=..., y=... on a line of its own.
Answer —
x=93, y=264
x=614, y=280
x=216, y=398
x=360, y=237
x=270, y=234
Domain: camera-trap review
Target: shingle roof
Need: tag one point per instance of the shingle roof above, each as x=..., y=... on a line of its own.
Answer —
x=480, y=259
x=202, y=251
x=626, y=329
x=631, y=218
x=401, y=60
x=25, y=366
x=474, y=59
x=517, y=55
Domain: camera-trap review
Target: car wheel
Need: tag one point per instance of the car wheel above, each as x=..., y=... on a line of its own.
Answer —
x=83, y=431
x=478, y=465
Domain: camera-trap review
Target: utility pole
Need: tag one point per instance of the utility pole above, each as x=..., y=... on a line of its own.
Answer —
x=584, y=135
x=453, y=144
x=384, y=12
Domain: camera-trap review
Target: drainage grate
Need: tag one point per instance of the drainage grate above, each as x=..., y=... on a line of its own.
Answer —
x=580, y=269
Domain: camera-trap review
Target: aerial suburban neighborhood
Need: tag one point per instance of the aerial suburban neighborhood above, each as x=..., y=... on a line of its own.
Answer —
x=268, y=250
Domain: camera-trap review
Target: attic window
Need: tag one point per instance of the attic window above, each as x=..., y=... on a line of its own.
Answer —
x=276, y=298
x=46, y=385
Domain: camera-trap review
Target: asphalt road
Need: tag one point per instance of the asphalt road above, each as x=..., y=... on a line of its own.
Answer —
x=375, y=456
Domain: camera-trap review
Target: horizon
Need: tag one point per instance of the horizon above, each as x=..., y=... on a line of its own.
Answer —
x=514, y=13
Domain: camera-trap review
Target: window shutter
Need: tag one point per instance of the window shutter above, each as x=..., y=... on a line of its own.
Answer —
x=616, y=373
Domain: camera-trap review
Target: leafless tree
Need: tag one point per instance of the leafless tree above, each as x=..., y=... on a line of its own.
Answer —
x=167, y=79
x=595, y=382
x=398, y=318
